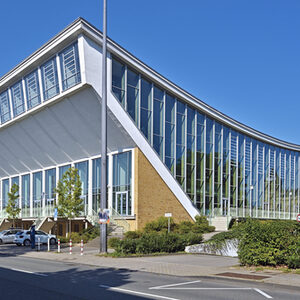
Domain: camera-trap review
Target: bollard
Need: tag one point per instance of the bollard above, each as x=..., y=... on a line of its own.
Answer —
x=39, y=244
x=70, y=246
x=58, y=246
x=48, y=244
x=81, y=247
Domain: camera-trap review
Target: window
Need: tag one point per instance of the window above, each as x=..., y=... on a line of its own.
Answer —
x=17, y=99
x=170, y=133
x=118, y=81
x=133, y=94
x=158, y=113
x=146, y=108
x=32, y=90
x=25, y=192
x=63, y=170
x=70, y=70
x=50, y=79
x=4, y=107
x=5, y=190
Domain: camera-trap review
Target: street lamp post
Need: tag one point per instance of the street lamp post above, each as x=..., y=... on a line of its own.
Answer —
x=103, y=233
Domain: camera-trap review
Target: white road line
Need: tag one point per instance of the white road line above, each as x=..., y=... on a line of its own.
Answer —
x=170, y=285
x=263, y=293
x=212, y=288
x=29, y=272
x=137, y=293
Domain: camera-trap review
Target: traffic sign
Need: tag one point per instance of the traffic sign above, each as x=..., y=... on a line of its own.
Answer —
x=168, y=215
x=298, y=218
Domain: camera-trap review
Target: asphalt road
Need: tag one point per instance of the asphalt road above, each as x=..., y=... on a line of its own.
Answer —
x=27, y=278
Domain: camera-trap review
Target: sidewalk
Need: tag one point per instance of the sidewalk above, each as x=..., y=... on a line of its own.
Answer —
x=179, y=265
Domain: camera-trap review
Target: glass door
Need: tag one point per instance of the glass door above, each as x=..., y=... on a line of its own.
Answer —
x=121, y=203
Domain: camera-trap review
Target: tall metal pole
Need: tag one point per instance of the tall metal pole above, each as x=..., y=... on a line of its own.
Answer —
x=103, y=233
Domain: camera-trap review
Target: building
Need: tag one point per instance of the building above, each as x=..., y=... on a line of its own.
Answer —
x=167, y=150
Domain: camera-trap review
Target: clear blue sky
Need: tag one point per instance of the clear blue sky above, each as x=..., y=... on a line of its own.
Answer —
x=240, y=56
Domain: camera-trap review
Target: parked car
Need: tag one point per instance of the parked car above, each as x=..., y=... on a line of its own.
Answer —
x=23, y=238
x=8, y=236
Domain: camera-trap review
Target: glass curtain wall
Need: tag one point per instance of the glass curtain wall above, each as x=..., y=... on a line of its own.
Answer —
x=83, y=172
x=37, y=194
x=96, y=189
x=5, y=191
x=122, y=184
x=222, y=170
x=50, y=178
x=25, y=196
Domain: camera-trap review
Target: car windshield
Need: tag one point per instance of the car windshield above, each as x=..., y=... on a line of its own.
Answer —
x=2, y=232
x=19, y=233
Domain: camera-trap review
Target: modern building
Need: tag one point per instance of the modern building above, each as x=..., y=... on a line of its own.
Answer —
x=167, y=150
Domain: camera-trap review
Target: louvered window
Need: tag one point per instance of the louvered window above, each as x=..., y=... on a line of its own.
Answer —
x=70, y=69
x=4, y=107
x=32, y=90
x=50, y=81
x=17, y=99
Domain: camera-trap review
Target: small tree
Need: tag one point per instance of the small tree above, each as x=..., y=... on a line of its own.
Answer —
x=12, y=208
x=70, y=204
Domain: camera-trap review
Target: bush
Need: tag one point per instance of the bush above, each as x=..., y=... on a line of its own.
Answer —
x=113, y=242
x=159, y=225
x=132, y=234
x=293, y=262
x=269, y=243
x=202, y=226
x=192, y=238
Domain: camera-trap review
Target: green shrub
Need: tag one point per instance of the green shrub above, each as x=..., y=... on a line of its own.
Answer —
x=132, y=234
x=159, y=225
x=293, y=262
x=184, y=227
x=126, y=246
x=192, y=238
x=202, y=226
x=113, y=242
x=269, y=243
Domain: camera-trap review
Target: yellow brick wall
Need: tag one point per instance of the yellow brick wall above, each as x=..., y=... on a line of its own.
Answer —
x=153, y=198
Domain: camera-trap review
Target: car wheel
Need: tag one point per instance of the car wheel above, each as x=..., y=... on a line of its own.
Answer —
x=52, y=241
x=26, y=243
x=18, y=244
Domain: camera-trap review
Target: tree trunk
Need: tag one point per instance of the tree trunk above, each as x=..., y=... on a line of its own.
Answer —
x=13, y=222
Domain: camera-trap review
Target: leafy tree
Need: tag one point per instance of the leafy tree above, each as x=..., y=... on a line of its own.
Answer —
x=12, y=208
x=70, y=204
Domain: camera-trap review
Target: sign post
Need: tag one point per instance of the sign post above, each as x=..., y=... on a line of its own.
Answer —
x=168, y=215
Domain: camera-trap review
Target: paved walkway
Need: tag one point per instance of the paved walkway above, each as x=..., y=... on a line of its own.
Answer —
x=179, y=265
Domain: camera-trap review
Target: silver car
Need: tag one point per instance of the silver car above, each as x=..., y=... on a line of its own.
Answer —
x=23, y=238
x=8, y=236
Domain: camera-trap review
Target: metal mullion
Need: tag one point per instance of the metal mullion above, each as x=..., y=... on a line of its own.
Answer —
x=221, y=175
x=257, y=182
x=269, y=180
x=151, y=111
x=229, y=174
x=185, y=145
x=274, y=178
x=125, y=87
x=284, y=184
x=237, y=175
x=294, y=187
x=213, y=170
x=298, y=202
x=244, y=175
x=175, y=135
x=195, y=158
x=204, y=163
x=164, y=127
x=251, y=183
x=139, y=102
x=279, y=187
x=290, y=182
x=263, y=181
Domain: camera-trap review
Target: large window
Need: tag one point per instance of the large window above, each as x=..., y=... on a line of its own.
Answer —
x=158, y=121
x=25, y=195
x=5, y=190
x=63, y=170
x=4, y=107
x=96, y=184
x=17, y=99
x=83, y=172
x=50, y=185
x=133, y=95
x=32, y=90
x=50, y=79
x=70, y=70
x=118, y=81
x=170, y=133
x=146, y=96
x=122, y=183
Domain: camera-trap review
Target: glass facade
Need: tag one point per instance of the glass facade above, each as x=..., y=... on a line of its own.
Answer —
x=25, y=196
x=223, y=171
x=42, y=84
x=83, y=172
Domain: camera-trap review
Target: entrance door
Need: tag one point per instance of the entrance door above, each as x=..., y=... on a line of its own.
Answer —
x=121, y=203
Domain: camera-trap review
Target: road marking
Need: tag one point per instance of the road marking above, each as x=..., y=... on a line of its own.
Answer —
x=263, y=293
x=29, y=272
x=137, y=293
x=170, y=285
